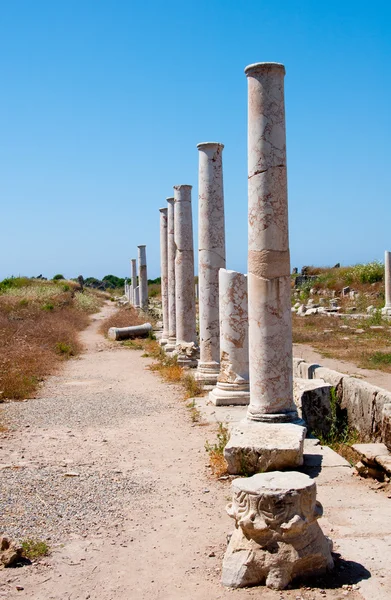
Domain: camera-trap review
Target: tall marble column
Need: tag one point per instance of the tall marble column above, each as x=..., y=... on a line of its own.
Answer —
x=184, y=277
x=163, y=273
x=269, y=284
x=171, y=251
x=143, y=277
x=211, y=256
x=133, y=263
x=387, y=284
x=233, y=380
x=268, y=439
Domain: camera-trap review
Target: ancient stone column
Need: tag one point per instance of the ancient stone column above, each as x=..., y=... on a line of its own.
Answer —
x=163, y=273
x=133, y=262
x=137, y=297
x=387, y=284
x=233, y=381
x=211, y=256
x=269, y=285
x=268, y=439
x=184, y=277
x=143, y=277
x=171, y=251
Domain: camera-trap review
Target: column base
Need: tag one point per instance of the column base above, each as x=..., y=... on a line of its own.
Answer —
x=259, y=447
x=227, y=394
x=287, y=417
x=171, y=345
x=386, y=311
x=187, y=354
x=207, y=373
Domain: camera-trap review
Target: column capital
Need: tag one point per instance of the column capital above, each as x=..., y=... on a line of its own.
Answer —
x=163, y=210
x=209, y=145
x=264, y=67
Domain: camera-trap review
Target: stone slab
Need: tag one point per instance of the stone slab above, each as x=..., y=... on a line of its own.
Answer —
x=312, y=398
x=369, y=452
x=384, y=462
x=256, y=447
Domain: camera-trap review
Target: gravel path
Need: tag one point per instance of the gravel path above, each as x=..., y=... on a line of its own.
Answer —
x=107, y=466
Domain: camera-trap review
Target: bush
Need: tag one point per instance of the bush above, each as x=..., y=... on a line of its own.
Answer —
x=58, y=276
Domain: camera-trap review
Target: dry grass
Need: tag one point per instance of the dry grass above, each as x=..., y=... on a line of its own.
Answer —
x=338, y=338
x=216, y=452
x=39, y=325
x=126, y=316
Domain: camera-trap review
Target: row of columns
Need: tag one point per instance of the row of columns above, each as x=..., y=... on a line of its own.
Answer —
x=245, y=337
x=137, y=290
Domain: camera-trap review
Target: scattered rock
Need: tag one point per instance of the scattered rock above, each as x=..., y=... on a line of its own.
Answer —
x=10, y=552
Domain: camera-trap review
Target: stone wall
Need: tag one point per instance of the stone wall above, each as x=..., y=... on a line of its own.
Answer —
x=368, y=407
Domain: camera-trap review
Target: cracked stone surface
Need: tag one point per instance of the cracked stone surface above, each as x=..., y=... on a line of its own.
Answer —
x=269, y=308
x=184, y=267
x=164, y=272
x=277, y=536
x=211, y=256
x=233, y=381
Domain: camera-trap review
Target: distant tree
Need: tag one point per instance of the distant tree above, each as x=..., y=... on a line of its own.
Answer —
x=58, y=276
x=113, y=281
x=158, y=280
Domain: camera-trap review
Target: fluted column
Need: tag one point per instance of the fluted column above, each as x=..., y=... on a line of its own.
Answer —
x=163, y=273
x=143, y=277
x=269, y=285
x=184, y=276
x=211, y=256
x=133, y=263
x=232, y=383
x=171, y=250
x=387, y=284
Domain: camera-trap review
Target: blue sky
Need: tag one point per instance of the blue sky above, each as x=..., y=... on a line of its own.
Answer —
x=103, y=102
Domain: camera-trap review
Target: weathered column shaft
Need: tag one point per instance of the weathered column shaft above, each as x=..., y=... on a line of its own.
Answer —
x=171, y=251
x=233, y=380
x=137, y=297
x=211, y=256
x=184, y=266
x=143, y=277
x=133, y=262
x=269, y=289
x=163, y=272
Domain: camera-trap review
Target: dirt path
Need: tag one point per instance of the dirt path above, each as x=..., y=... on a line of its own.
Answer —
x=373, y=376
x=107, y=463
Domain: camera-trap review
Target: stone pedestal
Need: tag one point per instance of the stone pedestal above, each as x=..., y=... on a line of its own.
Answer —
x=171, y=251
x=184, y=277
x=133, y=286
x=163, y=273
x=143, y=277
x=277, y=536
x=211, y=257
x=386, y=311
x=233, y=381
x=269, y=284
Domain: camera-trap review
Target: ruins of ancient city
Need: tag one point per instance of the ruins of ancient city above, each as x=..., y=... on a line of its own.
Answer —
x=212, y=432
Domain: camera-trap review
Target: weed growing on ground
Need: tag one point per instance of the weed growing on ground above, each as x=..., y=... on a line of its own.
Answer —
x=195, y=414
x=64, y=349
x=33, y=549
x=340, y=434
x=380, y=358
x=192, y=386
x=216, y=451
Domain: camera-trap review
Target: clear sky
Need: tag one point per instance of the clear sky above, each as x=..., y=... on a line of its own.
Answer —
x=103, y=102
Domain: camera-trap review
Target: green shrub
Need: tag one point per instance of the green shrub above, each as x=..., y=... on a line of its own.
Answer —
x=48, y=306
x=64, y=349
x=58, y=276
x=33, y=549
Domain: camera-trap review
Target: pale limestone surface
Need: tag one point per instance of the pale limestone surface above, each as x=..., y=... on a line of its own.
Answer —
x=171, y=251
x=258, y=447
x=133, y=263
x=164, y=273
x=233, y=381
x=137, y=297
x=276, y=537
x=387, y=284
x=211, y=256
x=184, y=274
x=143, y=277
x=269, y=305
